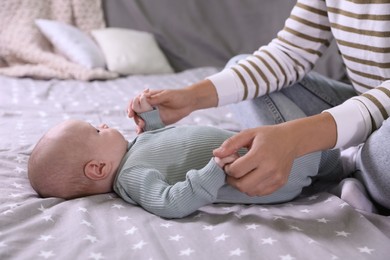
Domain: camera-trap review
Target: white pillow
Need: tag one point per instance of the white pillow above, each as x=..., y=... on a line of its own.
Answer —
x=71, y=42
x=131, y=52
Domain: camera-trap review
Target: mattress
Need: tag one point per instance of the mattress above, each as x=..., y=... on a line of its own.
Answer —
x=340, y=223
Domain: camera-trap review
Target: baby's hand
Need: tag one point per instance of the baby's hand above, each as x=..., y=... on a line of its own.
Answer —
x=140, y=103
x=222, y=162
x=137, y=105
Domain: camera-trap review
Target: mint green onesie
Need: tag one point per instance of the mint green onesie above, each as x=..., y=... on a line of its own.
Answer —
x=170, y=171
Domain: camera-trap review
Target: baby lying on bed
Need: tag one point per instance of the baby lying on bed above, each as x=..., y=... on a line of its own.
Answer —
x=169, y=171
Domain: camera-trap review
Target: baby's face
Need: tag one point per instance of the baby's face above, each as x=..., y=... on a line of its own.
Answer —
x=107, y=143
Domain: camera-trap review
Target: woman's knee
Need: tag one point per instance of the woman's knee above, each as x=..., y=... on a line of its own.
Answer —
x=374, y=165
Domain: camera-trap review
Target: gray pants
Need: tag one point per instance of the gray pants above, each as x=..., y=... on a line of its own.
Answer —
x=311, y=96
x=373, y=165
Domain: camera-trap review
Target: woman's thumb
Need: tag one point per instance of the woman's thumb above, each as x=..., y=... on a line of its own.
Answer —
x=233, y=144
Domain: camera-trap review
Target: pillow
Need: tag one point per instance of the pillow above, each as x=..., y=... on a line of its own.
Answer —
x=131, y=52
x=71, y=42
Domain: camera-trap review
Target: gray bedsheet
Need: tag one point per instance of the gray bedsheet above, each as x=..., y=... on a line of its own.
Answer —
x=338, y=225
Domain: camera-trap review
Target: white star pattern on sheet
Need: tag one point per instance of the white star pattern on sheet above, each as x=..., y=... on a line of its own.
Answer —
x=45, y=238
x=305, y=210
x=42, y=208
x=15, y=195
x=175, y=238
x=186, y=252
x=365, y=250
x=323, y=220
x=20, y=159
x=199, y=215
x=7, y=212
x=286, y=257
x=236, y=252
x=86, y=223
x=208, y=227
x=166, y=225
x=292, y=227
x=252, y=226
x=238, y=215
x=17, y=185
x=96, y=256
x=278, y=217
x=46, y=254
x=131, y=231
x=124, y=218
x=268, y=241
x=117, y=206
x=91, y=239
x=12, y=205
x=19, y=169
x=221, y=237
x=139, y=245
x=82, y=209
x=48, y=218
x=342, y=205
x=342, y=233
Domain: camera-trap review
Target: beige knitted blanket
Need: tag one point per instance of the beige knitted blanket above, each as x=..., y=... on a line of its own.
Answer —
x=25, y=52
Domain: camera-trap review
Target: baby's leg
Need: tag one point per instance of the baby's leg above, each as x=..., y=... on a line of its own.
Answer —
x=373, y=165
x=304, y=169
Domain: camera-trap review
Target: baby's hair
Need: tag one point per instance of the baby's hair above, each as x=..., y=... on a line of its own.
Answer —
x=56, y=167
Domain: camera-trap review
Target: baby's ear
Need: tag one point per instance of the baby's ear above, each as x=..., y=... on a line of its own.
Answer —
x=96, y=170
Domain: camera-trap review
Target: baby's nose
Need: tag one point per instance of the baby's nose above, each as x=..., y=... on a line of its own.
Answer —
x=104, y=126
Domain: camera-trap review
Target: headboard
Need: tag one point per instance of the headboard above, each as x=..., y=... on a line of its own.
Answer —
x=196, y=33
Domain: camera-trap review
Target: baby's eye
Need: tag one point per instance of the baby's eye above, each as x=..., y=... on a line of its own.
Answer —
x=97, y=130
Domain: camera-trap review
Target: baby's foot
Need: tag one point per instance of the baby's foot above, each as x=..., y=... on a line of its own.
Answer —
x=222, y=162
x=348, y=159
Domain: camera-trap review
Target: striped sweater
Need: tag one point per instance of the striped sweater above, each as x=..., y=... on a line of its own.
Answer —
x=170, y=171
x=362, y=32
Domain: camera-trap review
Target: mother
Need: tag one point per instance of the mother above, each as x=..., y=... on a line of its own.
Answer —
x=302, y=112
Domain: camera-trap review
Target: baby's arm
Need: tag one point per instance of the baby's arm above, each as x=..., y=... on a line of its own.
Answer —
x=149, y=189
x=147, y=113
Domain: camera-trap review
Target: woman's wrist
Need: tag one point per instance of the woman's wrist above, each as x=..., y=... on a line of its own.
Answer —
x=203, y=95
x=314, y=133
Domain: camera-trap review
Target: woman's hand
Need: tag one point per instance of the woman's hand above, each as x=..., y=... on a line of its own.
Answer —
x=175, y=104
x=272, y=151
x=267, y=164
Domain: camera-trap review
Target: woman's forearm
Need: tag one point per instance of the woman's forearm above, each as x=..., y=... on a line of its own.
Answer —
x=202, y=95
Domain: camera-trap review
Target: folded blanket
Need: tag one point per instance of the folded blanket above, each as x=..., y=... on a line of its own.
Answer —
x=25, y=52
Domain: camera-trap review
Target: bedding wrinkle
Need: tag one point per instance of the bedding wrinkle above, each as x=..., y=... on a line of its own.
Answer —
x=328, y=220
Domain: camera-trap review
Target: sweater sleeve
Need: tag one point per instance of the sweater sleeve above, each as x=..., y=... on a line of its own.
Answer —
x=359, y=116
x=304, y=38
x=152, y=120
x=149, y=189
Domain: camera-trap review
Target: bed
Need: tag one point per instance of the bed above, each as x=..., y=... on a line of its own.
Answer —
x=339, y=222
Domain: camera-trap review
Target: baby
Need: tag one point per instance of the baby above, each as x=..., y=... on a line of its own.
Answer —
x=169, y=171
